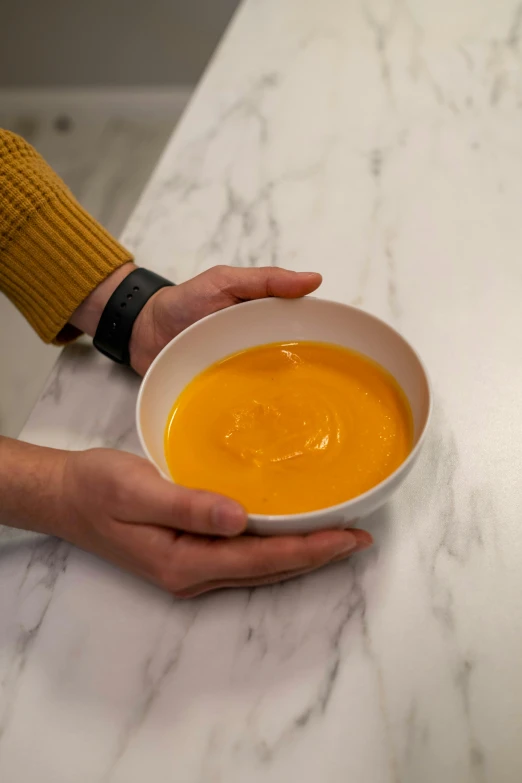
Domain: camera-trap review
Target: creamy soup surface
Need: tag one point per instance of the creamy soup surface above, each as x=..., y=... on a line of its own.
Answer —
x=290, y=427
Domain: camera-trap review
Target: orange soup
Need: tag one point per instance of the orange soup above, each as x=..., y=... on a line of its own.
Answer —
x=289, y=427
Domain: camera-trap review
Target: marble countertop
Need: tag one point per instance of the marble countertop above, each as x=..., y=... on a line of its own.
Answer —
x=379, y=142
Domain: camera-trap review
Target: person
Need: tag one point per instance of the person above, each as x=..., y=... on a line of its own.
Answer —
x=62, y=270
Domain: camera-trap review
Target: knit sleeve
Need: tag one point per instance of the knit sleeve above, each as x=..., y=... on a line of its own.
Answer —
x=52, y=253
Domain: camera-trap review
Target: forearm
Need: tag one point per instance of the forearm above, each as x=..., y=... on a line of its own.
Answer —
x=52, y=253
x=31, y=486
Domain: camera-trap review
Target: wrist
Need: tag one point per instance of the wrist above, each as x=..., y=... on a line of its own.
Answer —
x=88, y=314
x=31, y=487
x=141, y=343
x=121, y=334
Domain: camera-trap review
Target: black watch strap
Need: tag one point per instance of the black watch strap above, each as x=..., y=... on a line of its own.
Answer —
x=114, y=330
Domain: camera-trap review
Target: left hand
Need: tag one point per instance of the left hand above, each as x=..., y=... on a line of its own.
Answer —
x=171, y=310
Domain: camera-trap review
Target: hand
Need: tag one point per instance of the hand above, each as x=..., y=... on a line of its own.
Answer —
x=186, y=541
x=171, y=310
x=117, y=506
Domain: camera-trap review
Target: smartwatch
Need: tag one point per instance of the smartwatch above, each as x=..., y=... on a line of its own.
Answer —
x=114, y=330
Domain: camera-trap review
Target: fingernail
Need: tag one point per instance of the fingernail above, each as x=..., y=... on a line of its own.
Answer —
x=228, y=519
x=364, y=540
x=362, y=545
x=349, y=545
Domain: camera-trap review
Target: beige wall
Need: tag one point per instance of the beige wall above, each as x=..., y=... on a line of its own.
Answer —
x=108, y=42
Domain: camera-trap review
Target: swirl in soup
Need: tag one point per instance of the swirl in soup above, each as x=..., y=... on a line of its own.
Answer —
x=289, y=427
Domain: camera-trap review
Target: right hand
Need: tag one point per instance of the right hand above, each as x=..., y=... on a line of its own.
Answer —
x=117, y=506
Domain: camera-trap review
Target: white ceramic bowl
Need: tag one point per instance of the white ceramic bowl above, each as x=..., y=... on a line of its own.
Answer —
x=274, y=320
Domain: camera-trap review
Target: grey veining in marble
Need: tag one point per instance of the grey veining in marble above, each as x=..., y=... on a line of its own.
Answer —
x=379, y=142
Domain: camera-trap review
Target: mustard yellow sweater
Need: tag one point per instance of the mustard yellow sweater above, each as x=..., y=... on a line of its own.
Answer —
x=52, y=253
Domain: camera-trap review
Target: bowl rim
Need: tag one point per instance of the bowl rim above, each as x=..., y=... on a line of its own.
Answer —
x=304, y=516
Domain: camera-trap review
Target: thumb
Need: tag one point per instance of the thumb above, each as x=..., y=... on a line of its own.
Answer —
x=150, y=498
x=261, y=282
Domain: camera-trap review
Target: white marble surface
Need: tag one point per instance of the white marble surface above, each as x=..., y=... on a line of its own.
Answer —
x=381, y=143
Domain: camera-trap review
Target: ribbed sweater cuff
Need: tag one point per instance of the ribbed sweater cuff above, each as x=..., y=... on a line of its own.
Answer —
x=83, y=255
